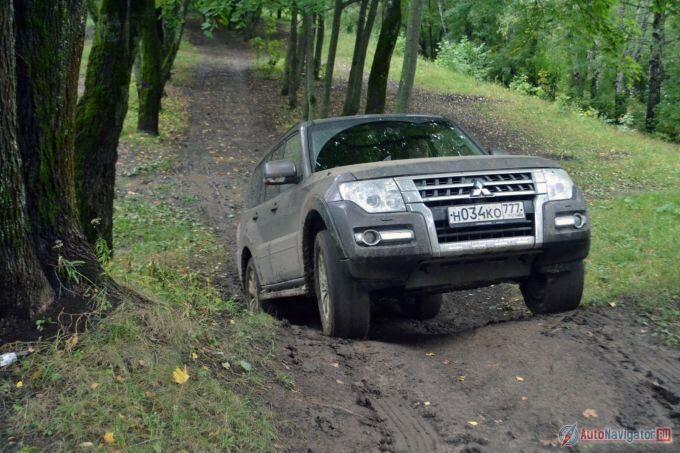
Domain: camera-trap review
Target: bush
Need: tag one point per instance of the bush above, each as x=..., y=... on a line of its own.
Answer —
x=465, y=57
x=400, y=46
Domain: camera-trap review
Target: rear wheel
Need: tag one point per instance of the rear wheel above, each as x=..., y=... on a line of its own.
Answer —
x=553, y=293
x=344, y=306
x=422, y=307
x=252, y=290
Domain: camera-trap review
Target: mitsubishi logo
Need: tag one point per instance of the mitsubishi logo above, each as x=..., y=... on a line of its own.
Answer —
x=479, y=190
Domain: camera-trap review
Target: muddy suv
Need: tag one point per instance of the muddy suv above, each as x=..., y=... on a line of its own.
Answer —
x=405, y=208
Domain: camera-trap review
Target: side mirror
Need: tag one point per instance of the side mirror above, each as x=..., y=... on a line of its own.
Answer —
x=499, y=152
x=279, y=172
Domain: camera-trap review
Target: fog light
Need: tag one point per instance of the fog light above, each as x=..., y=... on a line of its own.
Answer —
x=370, y=237
x=577, y=221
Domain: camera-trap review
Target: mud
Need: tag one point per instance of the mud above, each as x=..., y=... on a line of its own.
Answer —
x=483, y=376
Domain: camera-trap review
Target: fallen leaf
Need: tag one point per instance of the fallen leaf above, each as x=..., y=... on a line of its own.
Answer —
x=519, y=378
x=612, y=304
x=339, y=381
x=72, y=342
x=226, y=365
x=590, y=413
x=246, y=366
x=194, y=356
x=180, y=376
x=85, y=445
x=524, y=398
x=430, y=354
x=93, y=386
x=20, y=384
x=445, y=362
x=426, y=403
x=473, y=423
x=460, y=378
x=335, y=365
x=109, y=438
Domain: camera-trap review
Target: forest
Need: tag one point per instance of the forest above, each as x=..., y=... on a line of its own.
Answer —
x=128, y=129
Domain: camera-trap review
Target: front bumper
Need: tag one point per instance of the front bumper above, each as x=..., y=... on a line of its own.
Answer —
x=423, y=264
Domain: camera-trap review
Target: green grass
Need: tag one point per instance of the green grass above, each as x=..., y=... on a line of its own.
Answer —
x=116, y=374
x=632, y=181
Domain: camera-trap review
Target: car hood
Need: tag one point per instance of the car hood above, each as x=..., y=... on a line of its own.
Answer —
x=429, y=166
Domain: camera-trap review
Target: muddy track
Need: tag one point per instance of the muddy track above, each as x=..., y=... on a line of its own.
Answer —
x=483, y=376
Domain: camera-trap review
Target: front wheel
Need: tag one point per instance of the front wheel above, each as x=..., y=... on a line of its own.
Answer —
x=344, y=306
x=553, y=293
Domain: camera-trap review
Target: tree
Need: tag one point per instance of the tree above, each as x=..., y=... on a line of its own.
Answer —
x=47, y=60
x=24, y=290
x=308, y=30
x=100, y=115
x=377, y=80
x=318, y=48
x=367, y=12
x=408, y=70
x=290, y=76
x=150, y=82
x=338, y=7
x=660, y=11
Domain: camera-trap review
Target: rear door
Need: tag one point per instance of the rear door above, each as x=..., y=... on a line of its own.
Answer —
x=285, y=210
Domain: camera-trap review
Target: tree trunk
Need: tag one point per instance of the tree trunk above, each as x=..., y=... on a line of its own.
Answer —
x=320, y=31
x=338, y=6
x=150, y=87
x=48, y=61
x=300, y=57
x=173, y=31
x=100, y=115
x=408, y=70
x=655, y=68
x=24, y=290
x=291, y=58
x=307, y=108
x=93, y=9
x=377, y=80
x=356, y=74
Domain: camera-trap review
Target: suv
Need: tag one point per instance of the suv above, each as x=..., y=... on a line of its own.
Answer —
x=405, y=207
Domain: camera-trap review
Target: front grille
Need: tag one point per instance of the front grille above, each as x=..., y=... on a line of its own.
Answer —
x=460, y=187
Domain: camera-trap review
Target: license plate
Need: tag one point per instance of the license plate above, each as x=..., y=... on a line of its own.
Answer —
x=489, y=212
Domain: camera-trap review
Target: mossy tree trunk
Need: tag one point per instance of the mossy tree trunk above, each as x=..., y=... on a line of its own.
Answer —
x=408, y=70
x=150, y=84
x=655, y=63
x=380, y=69
x=318, y=49
x=100, y=115
x=173, y=31
x=24, y=290
x=367, y=14
x=291, y=51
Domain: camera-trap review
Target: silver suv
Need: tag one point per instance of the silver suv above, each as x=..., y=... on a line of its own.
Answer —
x=405, y=207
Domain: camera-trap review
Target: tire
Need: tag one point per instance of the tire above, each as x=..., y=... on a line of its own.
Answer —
x=251, y=291
x=344, y=307
x=554, y=293
x=422, y=307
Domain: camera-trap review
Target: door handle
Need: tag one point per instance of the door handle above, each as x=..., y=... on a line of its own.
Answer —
x=256, y=216
x=274, y=208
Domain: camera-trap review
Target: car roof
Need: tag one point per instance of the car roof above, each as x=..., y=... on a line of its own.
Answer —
x=356, y=119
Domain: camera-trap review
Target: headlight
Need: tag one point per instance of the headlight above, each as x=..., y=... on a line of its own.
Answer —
x=560, y=185
x=376, y=195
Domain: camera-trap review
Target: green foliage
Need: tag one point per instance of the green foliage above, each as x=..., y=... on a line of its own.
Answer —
x=464, y=56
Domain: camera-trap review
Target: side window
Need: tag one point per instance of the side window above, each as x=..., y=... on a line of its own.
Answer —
x=272, y=191
x=293, y=151
x=254, y=195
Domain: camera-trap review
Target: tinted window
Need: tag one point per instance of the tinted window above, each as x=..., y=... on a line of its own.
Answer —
x=293, y=151
x=334, y=145
x=253, y=197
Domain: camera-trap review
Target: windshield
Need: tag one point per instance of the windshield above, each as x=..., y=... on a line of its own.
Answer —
x=335, y=145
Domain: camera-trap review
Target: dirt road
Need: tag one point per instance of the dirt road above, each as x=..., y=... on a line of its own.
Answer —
x=482, y=376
